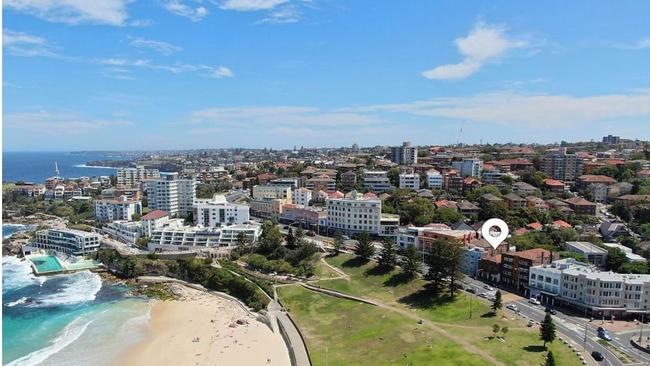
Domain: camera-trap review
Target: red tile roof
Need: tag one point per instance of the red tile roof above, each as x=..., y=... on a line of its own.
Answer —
x=560, y=224
x=553, y=182
x=155, y=214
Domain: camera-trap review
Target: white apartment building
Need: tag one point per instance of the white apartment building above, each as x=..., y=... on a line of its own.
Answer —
x=132, y=178
x=120, y=208
x=186, y=238
x=586, y=289
x=469, y=167
x=272, y=191
x=302, y=197
x=171, y=194
x=154, y=220
x=376, y=181
x=405, y=154
x=125, y=231
x=434, y=179
x=409, y=180
x=218, y=212
x=67, y=241
x=354, y=214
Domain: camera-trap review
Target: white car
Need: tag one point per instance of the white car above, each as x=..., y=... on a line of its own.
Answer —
x=512, y=307
x=534, y=301
x=488, y=288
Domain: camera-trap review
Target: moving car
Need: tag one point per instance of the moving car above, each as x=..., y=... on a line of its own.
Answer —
x=512, y=307
x=488, y=288
x=604, y=334
x=597, y=356
x=534, y=301
x=550, y=311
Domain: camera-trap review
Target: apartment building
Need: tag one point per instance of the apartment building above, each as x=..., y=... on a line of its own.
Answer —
x=524, y=188
x=515, y=266
x=434, y=179
x=562, y=166
x=190, y=238
x=272, y=191
x=588, y=291
x=349, y=180
x=404, y=155
x=66, y=241
x=217, y=212
x=120, y=208
x=581, y=206
x=293, y=182
x=153, y=220
x=302, y=197
x=125, y=231
x=469, y=167
x=132, y=178
x=409, y=180
x=321, y=183
x=376, y=181
x=514, y=201
x=171, y=194
x=354, y=213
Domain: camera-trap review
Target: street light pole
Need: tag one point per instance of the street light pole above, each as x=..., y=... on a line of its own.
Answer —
x=641, y=329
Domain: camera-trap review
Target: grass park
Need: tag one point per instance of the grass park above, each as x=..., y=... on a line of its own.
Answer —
x=412, y=325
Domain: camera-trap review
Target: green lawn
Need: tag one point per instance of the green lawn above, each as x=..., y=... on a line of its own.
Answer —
x=520, y=348
x=321, y=271
x=350, y=333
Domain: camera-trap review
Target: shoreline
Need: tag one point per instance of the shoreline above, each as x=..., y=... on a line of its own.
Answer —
x=204, y=329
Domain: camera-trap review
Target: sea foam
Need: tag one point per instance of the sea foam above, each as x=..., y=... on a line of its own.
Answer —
x=76, y=288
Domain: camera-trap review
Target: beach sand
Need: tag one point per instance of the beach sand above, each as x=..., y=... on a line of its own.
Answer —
x=202, y=329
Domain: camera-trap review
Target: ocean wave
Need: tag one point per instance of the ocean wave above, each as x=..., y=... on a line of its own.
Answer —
x=77, y=288
x=17, y=273
x=22, y=300
x=93, y=166
x=69, y=334
x=14, y=229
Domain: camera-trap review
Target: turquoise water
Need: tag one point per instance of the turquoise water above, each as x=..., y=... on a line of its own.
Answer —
x=46, y=263
x=66, y=319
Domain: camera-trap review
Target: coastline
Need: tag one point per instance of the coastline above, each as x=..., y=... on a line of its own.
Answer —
x=205, y=329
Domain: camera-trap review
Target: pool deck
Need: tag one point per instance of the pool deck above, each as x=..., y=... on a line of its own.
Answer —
x=57, y=266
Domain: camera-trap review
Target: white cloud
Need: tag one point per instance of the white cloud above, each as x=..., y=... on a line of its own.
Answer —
x=23, y=44
x=284, y=15
x=112, y=12
x=482, y=44
x=536, y=111
x=177, y=68
x=250, y=5
x=158, y=46
x=638, y=45
x=179, y=8
x=53, y=122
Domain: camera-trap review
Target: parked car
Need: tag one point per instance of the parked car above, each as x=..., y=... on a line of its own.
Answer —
x=471, y=290
x=534, y=301
x=488, y=288
x=311, y=233
x=550, y=311
x=530, y=323
x=597, y=356
x=345, y=237
x=512, y=307
x=604, y=334
x=483, y=295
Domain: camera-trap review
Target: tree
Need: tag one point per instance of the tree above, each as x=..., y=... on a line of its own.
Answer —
x=387, y=258
x=338, y=242
x=136, y=217
x=447, y=215
x=504, y=331
x=364, y=248
x=241, y=241
x=453, y=252
x=495, y=329
x=410, y=261
x=436, y=264
x=498, y=303
x=550, y=359
x=616, y=258
x=300, y=234
x=547, y=330
x=291, y=240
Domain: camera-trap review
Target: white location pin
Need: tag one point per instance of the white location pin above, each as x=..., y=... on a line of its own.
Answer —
x=492, y=236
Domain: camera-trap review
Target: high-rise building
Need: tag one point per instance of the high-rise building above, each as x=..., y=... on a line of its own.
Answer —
x=611, y=140
x=562, y=166
x=171, y=194
x=405, y=154
x=469, y=167
x=132, y=178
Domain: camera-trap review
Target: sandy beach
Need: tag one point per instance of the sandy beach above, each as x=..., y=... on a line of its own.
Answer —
x=204, y=329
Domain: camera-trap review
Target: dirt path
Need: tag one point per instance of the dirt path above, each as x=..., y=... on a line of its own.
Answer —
x=341, y=274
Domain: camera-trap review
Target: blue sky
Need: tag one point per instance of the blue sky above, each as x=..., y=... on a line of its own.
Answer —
x=175, y=74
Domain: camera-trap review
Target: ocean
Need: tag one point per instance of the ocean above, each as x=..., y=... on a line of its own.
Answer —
x=67, y=319
x=36, y=166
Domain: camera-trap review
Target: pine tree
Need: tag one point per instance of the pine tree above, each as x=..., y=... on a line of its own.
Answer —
x=547, y=330
x=550, y=359
x=387, y=257
x=291, y=240
x=411, y=261
x=364, y=248
x=498, y=303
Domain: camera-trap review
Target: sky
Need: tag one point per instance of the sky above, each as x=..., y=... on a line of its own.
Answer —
x=186, y=74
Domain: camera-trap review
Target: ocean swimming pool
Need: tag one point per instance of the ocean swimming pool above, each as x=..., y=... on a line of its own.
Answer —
x=45, y=263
